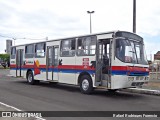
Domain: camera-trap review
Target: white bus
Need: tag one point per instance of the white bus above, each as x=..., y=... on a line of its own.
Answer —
x=111, y=60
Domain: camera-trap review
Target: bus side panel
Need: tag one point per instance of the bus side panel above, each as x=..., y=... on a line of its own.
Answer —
x=67, y=70
x=25, y=73
x=40, y=68
x=120, y=81
x=13, y=72
x=85, y=64
x=13, y=67
x=118, y=78
x=29, y=65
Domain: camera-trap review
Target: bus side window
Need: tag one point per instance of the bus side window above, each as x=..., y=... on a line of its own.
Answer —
x=40, y=49
x=29, y=51
x=13, y=53
x=86, y=46
x=106, y=54
x=80, y=47
x=120, y=50
x=68, y=47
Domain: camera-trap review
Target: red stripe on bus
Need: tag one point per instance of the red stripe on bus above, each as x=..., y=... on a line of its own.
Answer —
x=78, y=67
x=129, y=68
x=12, y=65
x=119, y=68
x=81, y=67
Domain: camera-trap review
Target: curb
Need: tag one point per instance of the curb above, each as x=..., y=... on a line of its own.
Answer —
x=142, y=91
x=9, y=75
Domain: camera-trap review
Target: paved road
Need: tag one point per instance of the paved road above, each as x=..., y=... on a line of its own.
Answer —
x=47, y=97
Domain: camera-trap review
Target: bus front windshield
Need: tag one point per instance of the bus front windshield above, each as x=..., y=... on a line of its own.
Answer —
x=129, y=51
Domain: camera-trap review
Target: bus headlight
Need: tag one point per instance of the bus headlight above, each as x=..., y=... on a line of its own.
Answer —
x=146, y=78
x=130, y=78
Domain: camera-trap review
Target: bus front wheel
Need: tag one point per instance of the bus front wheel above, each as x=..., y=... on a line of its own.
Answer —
x=86, y=86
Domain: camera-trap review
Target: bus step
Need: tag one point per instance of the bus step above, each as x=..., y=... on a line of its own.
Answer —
x=101, y=87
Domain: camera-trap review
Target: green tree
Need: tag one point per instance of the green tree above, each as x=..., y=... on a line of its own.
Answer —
x=4, y=57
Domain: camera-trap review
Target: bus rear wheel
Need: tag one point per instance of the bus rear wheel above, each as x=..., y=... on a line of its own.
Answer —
x=86, y=86
x=30, y=78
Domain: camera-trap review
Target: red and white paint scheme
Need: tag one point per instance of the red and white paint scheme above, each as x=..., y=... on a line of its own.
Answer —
x=110, y=60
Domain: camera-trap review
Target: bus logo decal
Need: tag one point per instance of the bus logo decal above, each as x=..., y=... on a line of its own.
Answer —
x=36, y=67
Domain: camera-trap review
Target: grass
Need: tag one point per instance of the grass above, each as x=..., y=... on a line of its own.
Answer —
x=1, y=67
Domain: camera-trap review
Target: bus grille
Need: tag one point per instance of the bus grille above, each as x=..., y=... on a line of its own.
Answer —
x=137, y=83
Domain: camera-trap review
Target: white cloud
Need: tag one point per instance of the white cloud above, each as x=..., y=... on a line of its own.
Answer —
x=148, y=17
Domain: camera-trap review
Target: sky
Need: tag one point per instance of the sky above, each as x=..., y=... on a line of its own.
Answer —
x=33, y=20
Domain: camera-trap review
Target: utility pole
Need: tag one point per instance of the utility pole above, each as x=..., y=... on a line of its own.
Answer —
x=90, y=12
x=134, y=16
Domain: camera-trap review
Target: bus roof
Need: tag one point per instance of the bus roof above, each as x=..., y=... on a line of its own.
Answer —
x=109, y=32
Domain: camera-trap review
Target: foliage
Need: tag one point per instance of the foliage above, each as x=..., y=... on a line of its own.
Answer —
x=4, y=57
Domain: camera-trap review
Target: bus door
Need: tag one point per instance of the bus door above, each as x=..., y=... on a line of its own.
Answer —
x=19, y=62
x=103, y=63
x=52, y=63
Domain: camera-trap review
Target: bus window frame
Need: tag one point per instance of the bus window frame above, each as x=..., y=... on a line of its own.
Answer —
x=82, y=38
x=44, y=48
x=70, y=50
x=30, y=55
x=134, y=41
x=13, y=56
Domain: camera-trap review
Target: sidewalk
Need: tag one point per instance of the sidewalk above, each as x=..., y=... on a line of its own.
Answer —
x=152, y=88
x=152, y=85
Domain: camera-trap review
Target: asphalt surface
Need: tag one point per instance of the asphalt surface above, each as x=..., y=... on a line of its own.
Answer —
x=48, y=97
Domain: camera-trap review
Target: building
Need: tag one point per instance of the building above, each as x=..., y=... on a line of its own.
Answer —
x=157, y=56
x=8, y=46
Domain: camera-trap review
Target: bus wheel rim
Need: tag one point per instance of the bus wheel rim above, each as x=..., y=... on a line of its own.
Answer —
x=30, y=78
x=85, y=84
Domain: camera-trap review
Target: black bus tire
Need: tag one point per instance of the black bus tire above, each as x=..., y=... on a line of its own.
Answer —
x=30, y=78
x=86, y=85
